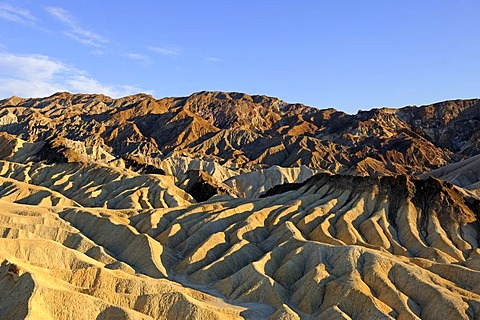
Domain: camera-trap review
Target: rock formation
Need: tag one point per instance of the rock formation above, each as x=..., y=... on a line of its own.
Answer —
x=248, y=132
x=230, y=206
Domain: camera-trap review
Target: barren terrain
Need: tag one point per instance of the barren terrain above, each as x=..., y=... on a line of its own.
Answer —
x=225, y=205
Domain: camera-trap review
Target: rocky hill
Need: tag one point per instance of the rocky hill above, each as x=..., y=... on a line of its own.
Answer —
x=230, y=206
x=242, y=131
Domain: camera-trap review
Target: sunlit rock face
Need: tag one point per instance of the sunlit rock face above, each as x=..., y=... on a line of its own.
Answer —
x=246, y=132
x=230, y=206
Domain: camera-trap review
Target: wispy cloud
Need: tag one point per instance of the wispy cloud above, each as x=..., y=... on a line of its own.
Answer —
x=140, y=58
x=97, y=52
x=166, y=51
x=16, y=14
x=212, y=59
x=39, y=75
x=75, y=31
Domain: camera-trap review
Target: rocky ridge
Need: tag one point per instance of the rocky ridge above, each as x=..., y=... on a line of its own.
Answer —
x=251, y=132
x=230, y=206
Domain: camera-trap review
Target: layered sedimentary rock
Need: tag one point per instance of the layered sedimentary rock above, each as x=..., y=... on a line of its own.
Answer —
x=246, y=132
x=333, y=246
x=230, y=206
x=465, y=174
x=87, y=183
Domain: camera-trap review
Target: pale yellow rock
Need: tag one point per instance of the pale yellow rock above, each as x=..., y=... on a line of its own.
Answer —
x=336, y=247
x=54, y=281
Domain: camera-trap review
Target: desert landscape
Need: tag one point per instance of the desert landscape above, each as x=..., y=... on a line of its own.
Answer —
x=224, y=205
x=259, y=160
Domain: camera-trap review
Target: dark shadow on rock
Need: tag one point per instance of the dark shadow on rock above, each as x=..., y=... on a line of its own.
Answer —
x=15, y=292
x=112, y=313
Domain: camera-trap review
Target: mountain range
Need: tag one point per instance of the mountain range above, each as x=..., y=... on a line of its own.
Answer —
x=226, y=205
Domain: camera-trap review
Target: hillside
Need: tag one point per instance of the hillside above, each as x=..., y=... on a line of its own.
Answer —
x=242, y=131
x=231, y=206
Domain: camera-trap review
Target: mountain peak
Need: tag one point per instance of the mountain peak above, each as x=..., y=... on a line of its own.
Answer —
x=258, y=130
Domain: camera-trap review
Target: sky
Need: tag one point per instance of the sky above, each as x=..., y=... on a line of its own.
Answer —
x=345, y=54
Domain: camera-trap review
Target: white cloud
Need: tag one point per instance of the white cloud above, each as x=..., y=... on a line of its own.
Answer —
x=39, y=76
x=166, y=51
x=62, y=15
x=75, y=31
x=16, y=14
x=143, y=59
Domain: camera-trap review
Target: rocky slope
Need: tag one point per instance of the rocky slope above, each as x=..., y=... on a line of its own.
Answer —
x=251, y=132
x=465, y=174
x=230, y=206
x=331, y=247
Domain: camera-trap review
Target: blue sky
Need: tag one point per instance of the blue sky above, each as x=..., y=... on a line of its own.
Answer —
x=349, y=55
